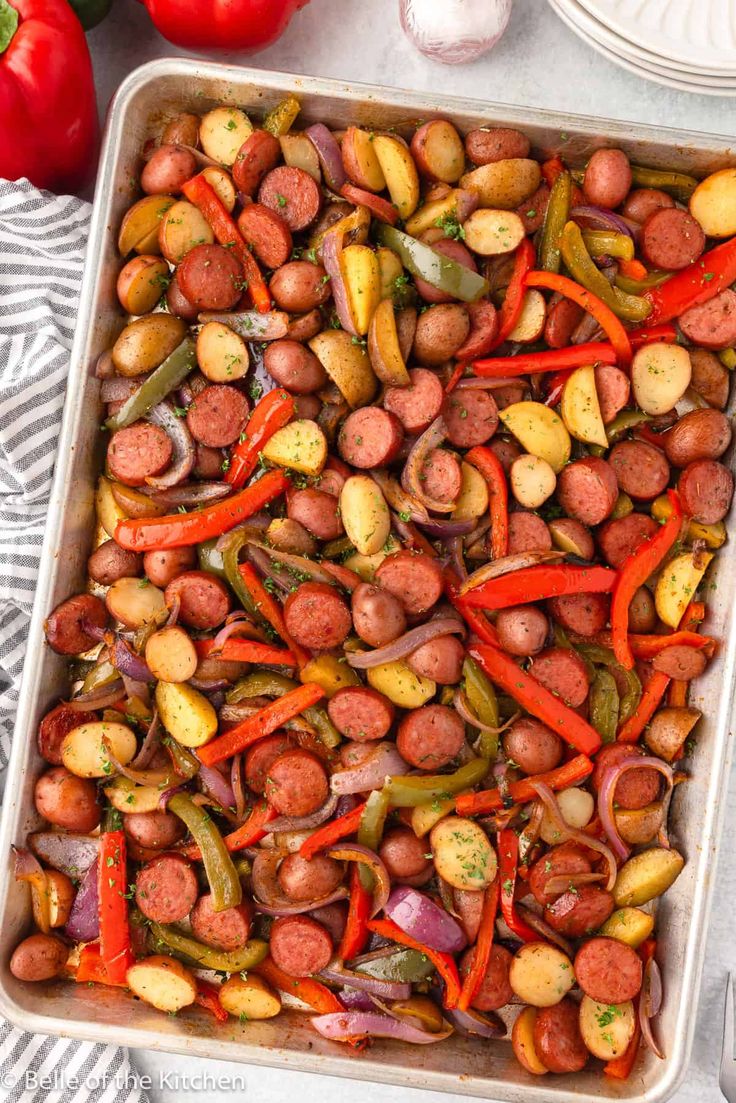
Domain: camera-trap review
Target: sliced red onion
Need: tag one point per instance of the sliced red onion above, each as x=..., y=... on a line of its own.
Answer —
x=130, y=665
x=566, y=832
x=418, y=915
x=454, y=546
x=216, y=786
x=167, y=794
x=397, y=498
x=597, y=218
x=586, y=330
x=355, y=852
x=329, y=155
x=96, y=631
x=371, y=773
x=608, y=788
x=70, y=854
x=211, y=685
x=446, y=530
x=650, y=1002
x=188, y=494
x=555, y=886
x=101, y=697
x=262, y=563
x=465, y=203
x=174, y=610
x=177, y=430
x=104, y=367
x=544, y=930
x=507, y=565
x=268, y=898
x=387, y=989
x=447, y=896
x=237, y=624
x=530, y=834
x=151, y=778
x=356, y=1000
x=83, y=924
x=304, y=823
x=298, y=563
x=331, y=253
x=466, y=714
x=411, y=480
x=250, y=325
x=346, y=804
x=150, y=744
x=406, y=644
x=238, y=785
x=118, y=389
x=342, y=1026
x=200, y=157
x=472, y=1024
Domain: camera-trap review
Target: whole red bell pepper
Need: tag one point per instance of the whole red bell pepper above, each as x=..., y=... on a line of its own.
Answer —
x=222, y=24
x=48, y=111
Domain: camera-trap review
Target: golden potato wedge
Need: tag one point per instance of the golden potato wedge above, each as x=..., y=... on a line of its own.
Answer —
x=504, y=184
x=222, y=354
x=146, y=342
x=83, y=749
x=222, y=132
x=366, y=565
x=540, y=974
x=607, y=1030
x=126, y=796
x=299, y=153
x=473, y=500
x=677, y=583
x=141, y=283
x=629, y=925
x=347, y=364
x=530, y=326
x=432, y=214
x=135, y=602
x=522, y=1042
x=713, y=535
x=329, y=673
x=108, y=511
x=425, y=816
x=362, y=276
x=140, y=225
x=540, y=431
x=660, y=375
x=491, y=233
x=463, y=854
x=390, y=269
x=646, y=876
x=532, y=481
x=182, y=227
x=397, y=165
x=249, y=998
x=580, y=409
x=300, y=445
x=383, y=345
x=186, y=713
x=401, y=685
x=713, y=203
x=171, y=655
x=354, y=228
x=439, y=151
x=365, y=514
x=163, y=982
x=360, y=160
x=222, y=185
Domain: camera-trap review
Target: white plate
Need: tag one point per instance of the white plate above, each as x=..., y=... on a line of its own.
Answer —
x=635, y=67
x=696, y=32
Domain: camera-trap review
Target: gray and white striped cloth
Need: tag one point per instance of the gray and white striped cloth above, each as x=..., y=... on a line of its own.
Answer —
x=42, y=244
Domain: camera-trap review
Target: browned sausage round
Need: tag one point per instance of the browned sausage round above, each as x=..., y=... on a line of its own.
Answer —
x=39, y=957
x=110, y=562
x=370, y=438
x=713, y=324
x=419, y=403
x=561, y=861
x=138, y=451
x=641, y=469
x=446, y=247
x=317, y=616
x=634, y=789
x=166, y=889
x=441, y=660
x=205, y=599
x=643, y=202
x=378, y=616
x=619, y=538
x=564, y=673
x=506, y=450
x=259, y=153
x=294, y=366
x=471, y=417
x=67, y=801
x=441, y=476
x=483, y=329
x=522, y=629
x=671, y=238
x=415, y=579
x=581, y=912
x=495, y=990
x=361, y=713
x=683, y=663
x=488, y=144
x=168, y=168
x=300, y=286
x=608, y=971
x=317, y=511
x=587, y=489
x=563, y=318
x=66, y=626
x=430, y=737
x=218, y=415
x=309, y=879
x=710, y=378
x=642, y=611
x=210, y=277
x=305, y=326
x=296, y=784
x=405, y=856
x=557, y=1038
x=440, y=332
x=706, y=490
x=226, y=930
x=157, y=830
x=259, y=758
x=607, y=178
x=585, y=614
x=161, y=567
x=613, y=389
x=573, y=537
x=299, y=945
x=698, y=435
x=293, y=194
x=533, y=746
x=528, y=532
x=55, y=725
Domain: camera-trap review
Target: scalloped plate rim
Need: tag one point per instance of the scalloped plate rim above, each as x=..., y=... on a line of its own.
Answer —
x=676, y=50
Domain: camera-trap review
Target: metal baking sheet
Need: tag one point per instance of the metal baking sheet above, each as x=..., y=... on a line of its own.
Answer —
x=473, y=1068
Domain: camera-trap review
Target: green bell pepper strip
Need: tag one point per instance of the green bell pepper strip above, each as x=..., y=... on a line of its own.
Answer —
x=624, y=421
x=337, y=548
x=604, y=705
x=230, y=553
x=407, y=966
x=99, y=675
x=483, y=702
x=267, y=683
x=441, y=272
x=233, y=961
x=408, y=792
x=637, y=287
x=172, y=373
x=210, y=558
x=370, y=830
x=623, y=506
x=584, y=271
x=185, y=764
x=225, y=886
x=556, y=216
x=281, y=118
x=604, y=243
x=604, y=657
x=728, y=358
x=677, y=184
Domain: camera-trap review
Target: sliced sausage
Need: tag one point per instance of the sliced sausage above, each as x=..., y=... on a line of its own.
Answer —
x=613, y=389
x=259, y=153
x=67, y=801
x=710, y=378
x=587, y=489
x=495, y=989
x=293, y=194
x=446, y=247
x=682, y=663
x=260, y=757
x=581, y=912
x=317, y=616
x=405, y=856
x=299, y=945
x=440, y=332
x=488, y=144
x=414, y=578
x=563, y=318
x=66, y=626
x=607, y=179
x=533, y=746
x=157, y=830
x=441, y=476
x=419, y=403
x=557, y=1038
x=361, y=713
x=619, y=538
x=177, y=302
x=161, y=567
x=317, y=511
x=634, y=789
x=641, y=469
x=293, y=366
x=226, y=930
x=528, y=532
x=573, y=537
x=608, y=970
x=138, y=451
x=166, y=889
x=430, y=737
x=698, y=435
x=561, y=861
x=218, y=415
x=378, y=616
x=110, y=562
x=205, y=599
x=210, y=277
x=309, y=879
x=706, y=490
x=522, y=629
x=563, y=673
x=671, y=238
x=471, y=417
x=406, y=327
x=585, y=614
x=169, y=167
x=370, y=438
x=483, y=329
x=441, y=660
x=300, y=286
x=712, y=324
x=643, y=202
x=296, y=783
x=57, y=724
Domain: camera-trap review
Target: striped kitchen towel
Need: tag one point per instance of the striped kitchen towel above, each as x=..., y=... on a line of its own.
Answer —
x=42, y=244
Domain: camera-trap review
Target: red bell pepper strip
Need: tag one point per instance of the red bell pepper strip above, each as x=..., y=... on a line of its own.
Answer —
x=508, y=867
x=91, y=968
x=487, y=462
x=620, y=1068
x=632, y=269
x=551, y=169
x=474, y=618
x=483, y=945
x=646, y=647
x=603, y=314
x=248, y=834
x=556, y=385
x=648, y=335
x=318, y=997
x=359, y=912
x=521, y=792
x=692, y=617
x=272, y=716
x=115, y=944
x=200, y=192
x=239, y=650
x=332, y=832
x=222, y=24
x=379, y=207
x=524, y=260
x=650, y=701
x=208, y=997
x=273, y=412
x=637, y=568
x=180, y=530
x=573, y=356
x=702, y=280
x=458, y=373
x=48, y=111
x=271, y=611
x=537, y=583
x=443, y=963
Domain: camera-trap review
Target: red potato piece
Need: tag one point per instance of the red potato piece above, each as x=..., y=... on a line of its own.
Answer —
x=67, y=801
x=454, y=250
x=157, y=830
x=522, y=629
x=565, y=860
x=563, y=673
x=641, y=470
x=65, y=626
x=557, y=1038
x=305, y=326
x=441, y=331
x=55, y=725
x=488, y=144
x=260, y=758
x=138, y=452
x=259, y=153
x=636, y=788
x=218, y=415
x=471, y=417
x=587, y=489
x=300, y=286
x=671, y=239
x=267, y=234
x=613, y=389
x=208, y=462
x=643, y=202
x=533, y=746
x=698, y=435
x=210, y=277
x=162, y=567
x=166, y=889
x=506, y=450
x=333, y=917
x=441, y=476
x=483, y=330
x=299, y=945
x=579, y=913
x=710, y=378
x=682, y=663
x=293, y=366
x=167, y=169
x=317, y=616
x=419, y=403
x=309, y=879
x=585, y=614
x=296, y=783
x=607, y=179
x=415, y=579
x=293, y=194
x=706, y=491
x=177, y=302
x=370, y=438
x=711, y=325
x=109, y=562
x=204, y=598
x=438, y=152
x=619, y=538
x=361, y=714
x=469, y=908
x=495, y=990
x=317, y=511
x=405, y=857
x=430, y=737
x=226, y=930
x=608, y=970
x=441, y=660
x=378, y=616
x=528, y=532
x=642, y=611
x=563, y=318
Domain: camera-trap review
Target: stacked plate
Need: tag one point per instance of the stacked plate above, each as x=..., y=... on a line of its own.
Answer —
x=689, y=45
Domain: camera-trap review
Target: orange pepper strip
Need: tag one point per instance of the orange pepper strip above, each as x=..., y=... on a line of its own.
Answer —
x=273, y=412
x=646, y=647
x=271, y=610
x=677, y=694
x=443, y=963
x=633, y=269
x=487, y=462
x=521, y=792
x=239, y=650
x=455, y=378
x=116, y=954
x=332, y=832
x=475, y=619
x=508, y=871
x=483, y=945
x=91, y=968
x=359, y=911
x=551, y=170
x=650, y=700
x=620, y=1068
x=248, y=834
x=208, y=997
x=536, y=583
x=310, y=991
x=603, y=315
x=272, y=716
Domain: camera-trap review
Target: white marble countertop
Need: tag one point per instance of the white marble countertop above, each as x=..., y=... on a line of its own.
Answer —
x=538, y=63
